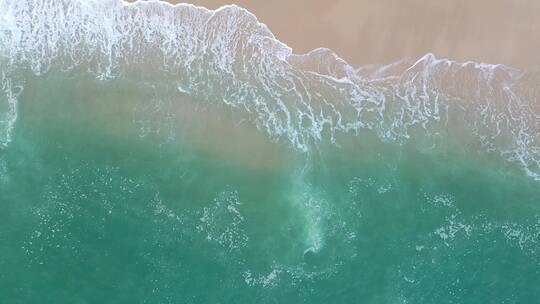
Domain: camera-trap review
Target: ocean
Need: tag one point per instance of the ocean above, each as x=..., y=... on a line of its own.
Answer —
x=152, y=153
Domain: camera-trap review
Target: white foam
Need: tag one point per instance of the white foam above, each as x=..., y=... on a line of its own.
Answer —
x=228, y=56
x=9, y=93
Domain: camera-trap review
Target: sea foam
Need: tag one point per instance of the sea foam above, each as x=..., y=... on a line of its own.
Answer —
x=227, y=57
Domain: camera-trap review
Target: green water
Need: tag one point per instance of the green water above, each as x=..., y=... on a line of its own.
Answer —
x=105, y=202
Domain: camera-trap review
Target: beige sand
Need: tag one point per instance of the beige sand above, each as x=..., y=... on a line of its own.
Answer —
x=367, y=31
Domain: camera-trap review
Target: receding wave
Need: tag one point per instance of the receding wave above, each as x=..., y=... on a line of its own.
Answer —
x=157, y=153
x=228, y=56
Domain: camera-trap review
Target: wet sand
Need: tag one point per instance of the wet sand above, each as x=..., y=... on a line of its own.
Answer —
x=365, y=32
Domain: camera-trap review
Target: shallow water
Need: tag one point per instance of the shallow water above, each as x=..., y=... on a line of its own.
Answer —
x=94, y=212
x=138, y=188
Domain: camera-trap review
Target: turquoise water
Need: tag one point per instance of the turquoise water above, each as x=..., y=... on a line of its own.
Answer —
x=204, y=176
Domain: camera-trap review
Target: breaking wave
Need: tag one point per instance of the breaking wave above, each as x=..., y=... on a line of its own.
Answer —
x=227, y=57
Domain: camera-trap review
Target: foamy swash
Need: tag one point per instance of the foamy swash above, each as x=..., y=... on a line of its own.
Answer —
x=229, y=58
